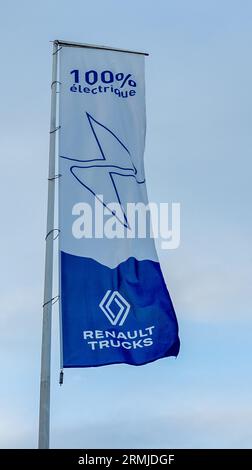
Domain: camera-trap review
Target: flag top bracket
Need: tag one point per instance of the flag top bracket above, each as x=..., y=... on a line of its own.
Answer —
x=61, y=43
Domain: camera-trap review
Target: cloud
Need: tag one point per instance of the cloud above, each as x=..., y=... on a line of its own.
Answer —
x=194, y=429
x=208, y=289
x=16, y=429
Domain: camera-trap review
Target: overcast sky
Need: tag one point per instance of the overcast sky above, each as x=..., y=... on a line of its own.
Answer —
x=199, y=121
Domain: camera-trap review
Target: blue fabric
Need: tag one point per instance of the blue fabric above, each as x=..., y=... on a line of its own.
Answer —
x=149, y=330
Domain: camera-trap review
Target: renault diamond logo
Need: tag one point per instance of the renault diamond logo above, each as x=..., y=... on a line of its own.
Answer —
x=110, y=304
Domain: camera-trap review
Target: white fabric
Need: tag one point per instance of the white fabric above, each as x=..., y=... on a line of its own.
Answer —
x=95, y=124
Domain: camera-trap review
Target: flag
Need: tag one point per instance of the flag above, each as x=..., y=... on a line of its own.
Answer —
x=115, y=306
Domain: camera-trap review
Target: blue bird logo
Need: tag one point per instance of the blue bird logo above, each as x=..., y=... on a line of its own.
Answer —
x=99, y=175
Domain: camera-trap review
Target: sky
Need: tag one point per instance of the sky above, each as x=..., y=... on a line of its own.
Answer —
x=199, y=116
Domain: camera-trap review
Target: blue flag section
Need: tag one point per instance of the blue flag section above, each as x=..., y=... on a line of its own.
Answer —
x=114, y=304
x=115, y=315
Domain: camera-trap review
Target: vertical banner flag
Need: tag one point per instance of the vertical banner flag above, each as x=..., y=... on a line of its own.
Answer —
x=115, y=307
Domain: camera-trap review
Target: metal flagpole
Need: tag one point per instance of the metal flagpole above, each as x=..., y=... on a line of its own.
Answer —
x=44, y=410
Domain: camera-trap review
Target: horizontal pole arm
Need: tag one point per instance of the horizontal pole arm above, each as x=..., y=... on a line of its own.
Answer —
x=94, y=46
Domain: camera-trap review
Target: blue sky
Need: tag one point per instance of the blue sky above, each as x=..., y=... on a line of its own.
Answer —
x=199, y=114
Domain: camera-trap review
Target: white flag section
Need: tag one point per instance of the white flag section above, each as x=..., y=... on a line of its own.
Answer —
x=115, y=307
